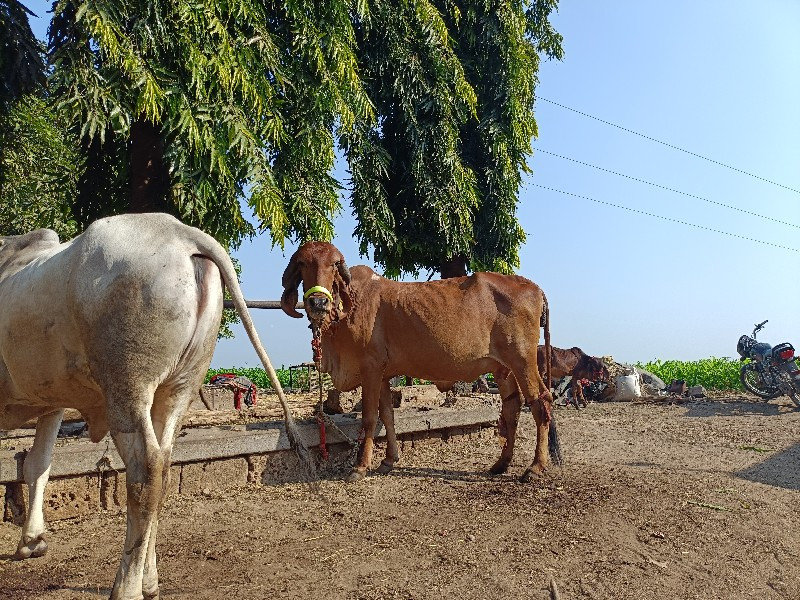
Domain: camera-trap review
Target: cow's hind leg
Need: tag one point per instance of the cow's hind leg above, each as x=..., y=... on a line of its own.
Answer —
x=540, y=401
x=168, y=407
x=387, y=416
x=137, y=444
x=36, y=471
x=509, y=418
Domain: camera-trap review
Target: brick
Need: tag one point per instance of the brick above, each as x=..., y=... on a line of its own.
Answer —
x=174, y=487
x=280, y=467
x=72, y=497
x=113, y=495
x=2, y=503
x=16, y=503
x=215, y=476
x=256, y=465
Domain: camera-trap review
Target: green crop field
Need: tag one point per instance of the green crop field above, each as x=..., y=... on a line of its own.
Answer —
x=711, y=373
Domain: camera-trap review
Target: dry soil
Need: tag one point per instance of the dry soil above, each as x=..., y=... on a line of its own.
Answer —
x=655, y=500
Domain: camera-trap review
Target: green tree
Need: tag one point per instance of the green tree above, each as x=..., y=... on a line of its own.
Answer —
x=190, y=107
x=21, y=66
x=435, y=180
x=193, y=107
x=40, y=167
x=37, y=162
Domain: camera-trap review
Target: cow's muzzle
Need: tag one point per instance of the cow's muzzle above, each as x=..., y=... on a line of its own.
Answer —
x=318, y=300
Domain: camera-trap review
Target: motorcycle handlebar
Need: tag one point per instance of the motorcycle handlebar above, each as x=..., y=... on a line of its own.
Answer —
x=759, y=327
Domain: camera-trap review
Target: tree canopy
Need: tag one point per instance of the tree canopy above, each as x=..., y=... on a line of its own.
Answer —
x=436, y=178
x=21, y=66
x=40, y=167
x=193, y=107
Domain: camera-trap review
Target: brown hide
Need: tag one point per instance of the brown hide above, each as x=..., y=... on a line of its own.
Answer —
x=575, y=363
x=449, y=330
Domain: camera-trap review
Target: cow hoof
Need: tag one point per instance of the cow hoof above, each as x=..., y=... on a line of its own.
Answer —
x=355, y=475
x=385, y=467
x=31, y=548
x=500, y=467
x=530, y=474
x=151, y=595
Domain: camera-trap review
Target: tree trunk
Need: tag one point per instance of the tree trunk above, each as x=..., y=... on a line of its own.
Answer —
x=149, y=177
x=455, y=267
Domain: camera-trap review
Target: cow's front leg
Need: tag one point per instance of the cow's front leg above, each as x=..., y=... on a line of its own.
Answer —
x=36, y=471
x=387, y=416
x=370, y=393
x=576, y=390
x=581, y=396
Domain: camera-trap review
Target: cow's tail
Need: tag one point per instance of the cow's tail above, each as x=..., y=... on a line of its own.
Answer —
x=545, y=322
x=211, y=249
x=553, y=443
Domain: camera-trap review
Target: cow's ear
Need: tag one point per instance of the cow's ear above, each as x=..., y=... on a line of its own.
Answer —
x=291, y=281
x=289, y=303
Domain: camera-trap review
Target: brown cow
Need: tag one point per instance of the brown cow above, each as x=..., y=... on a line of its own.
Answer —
x=373, y=328
x=575, y=363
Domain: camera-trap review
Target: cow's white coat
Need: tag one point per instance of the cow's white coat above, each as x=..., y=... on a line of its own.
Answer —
x=119, y=323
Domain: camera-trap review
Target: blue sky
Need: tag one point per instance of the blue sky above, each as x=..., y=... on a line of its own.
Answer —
x=715, y=78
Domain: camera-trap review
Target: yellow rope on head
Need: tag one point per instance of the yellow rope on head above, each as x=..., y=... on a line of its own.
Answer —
x=318, y=289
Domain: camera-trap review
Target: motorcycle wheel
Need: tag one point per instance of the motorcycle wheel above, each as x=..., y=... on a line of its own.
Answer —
x=754, y=383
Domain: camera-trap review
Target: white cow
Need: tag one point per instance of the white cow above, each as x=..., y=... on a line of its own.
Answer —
x=119, y=323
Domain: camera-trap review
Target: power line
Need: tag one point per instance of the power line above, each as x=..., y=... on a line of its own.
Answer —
x=652, y=139
x=642, y=212
x=663, y=187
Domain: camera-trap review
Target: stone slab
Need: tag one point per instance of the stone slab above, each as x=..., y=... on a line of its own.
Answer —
x=80, y=456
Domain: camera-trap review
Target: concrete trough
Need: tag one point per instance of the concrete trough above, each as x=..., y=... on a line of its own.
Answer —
x=86, y=477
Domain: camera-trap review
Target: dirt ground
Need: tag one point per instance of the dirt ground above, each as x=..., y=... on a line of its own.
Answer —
x=655, y=501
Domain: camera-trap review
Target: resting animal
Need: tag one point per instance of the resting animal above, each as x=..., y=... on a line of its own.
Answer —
x=575, y=363
x=455, y=329
x=119, y=323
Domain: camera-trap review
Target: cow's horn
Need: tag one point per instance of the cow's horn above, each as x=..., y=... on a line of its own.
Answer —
x=343, y=271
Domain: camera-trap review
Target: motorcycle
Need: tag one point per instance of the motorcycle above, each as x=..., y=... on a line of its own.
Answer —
x=770, y=371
